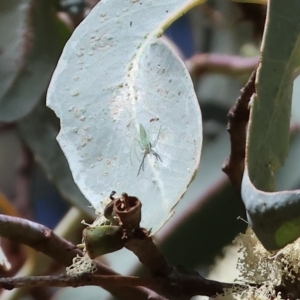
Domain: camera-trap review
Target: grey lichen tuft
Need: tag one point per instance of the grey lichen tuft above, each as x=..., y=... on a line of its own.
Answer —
x=262, y=272
x=80, y=265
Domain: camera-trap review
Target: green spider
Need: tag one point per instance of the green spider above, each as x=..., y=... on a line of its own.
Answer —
x=147, y=146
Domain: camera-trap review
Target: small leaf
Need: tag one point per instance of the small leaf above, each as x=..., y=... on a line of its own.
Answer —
x=115, y=75
x=102, y=239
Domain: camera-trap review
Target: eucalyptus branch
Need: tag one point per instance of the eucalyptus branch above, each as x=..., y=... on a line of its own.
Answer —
x=38, y=237
x=174, y=282
x=221, y=64
x=184, y=286
x=43, y=239
x=75, y=281
x=170, y=282
x=238, y=118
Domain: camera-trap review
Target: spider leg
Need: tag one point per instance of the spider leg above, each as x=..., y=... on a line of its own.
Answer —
x=136, y=154
x=156, y=140
x=142, y=164
x=156, y=155
x=133, y=148
x=131, y=155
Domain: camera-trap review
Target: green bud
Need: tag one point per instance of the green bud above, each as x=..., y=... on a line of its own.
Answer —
x=102, y=239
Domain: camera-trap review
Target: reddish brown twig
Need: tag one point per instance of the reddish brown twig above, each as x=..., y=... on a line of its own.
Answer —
x=238, y=118
x=170, y=282
x=182, y=285
x=173, y=282
x=43, y=239
x=221, y=64
x=75, y=281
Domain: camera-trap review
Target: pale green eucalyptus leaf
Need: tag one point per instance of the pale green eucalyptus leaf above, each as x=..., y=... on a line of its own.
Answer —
x=114, y=75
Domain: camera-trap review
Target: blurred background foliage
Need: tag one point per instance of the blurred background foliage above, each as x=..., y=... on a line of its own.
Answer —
x=219, y=42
